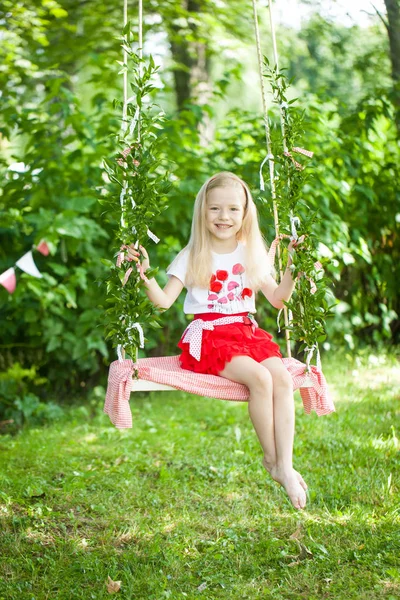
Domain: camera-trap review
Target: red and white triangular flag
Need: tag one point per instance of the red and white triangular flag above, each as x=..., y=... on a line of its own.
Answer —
x=43, y=248
x=8, y=280
x=26, y=264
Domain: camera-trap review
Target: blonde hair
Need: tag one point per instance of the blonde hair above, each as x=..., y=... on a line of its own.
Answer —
x=199, y=267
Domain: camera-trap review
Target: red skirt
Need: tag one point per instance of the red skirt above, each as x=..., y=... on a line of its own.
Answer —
x=224, y=342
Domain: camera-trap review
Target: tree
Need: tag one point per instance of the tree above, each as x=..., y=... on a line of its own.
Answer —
x=393, y=28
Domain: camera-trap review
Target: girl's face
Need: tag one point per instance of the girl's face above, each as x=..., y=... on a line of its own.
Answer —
x=224, y=212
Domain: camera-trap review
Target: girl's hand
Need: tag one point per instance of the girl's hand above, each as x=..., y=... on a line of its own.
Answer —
x=294, y=243
x=132, y=253
x=145, y=260
x=136, y=256
x=292, y=248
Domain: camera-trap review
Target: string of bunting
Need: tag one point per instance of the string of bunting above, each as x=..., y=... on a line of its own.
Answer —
x=26, y=263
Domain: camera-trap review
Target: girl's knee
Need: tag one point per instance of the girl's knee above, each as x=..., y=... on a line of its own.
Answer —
x=283, y=379
x=261, y=379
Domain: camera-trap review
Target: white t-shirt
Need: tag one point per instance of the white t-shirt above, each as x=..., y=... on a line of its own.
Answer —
x=228, y=291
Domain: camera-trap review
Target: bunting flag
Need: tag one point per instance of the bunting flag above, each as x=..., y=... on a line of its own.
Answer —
x=8, y=280
x=43, y=248
x=26, y=264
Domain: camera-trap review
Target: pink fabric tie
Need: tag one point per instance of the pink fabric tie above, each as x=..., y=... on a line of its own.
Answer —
x=316, y=397
x=193, y=334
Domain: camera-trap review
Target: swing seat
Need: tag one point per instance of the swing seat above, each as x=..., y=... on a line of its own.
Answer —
x=165, y=374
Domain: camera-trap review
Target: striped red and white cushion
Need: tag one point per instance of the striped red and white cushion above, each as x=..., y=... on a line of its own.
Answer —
x=167, y=370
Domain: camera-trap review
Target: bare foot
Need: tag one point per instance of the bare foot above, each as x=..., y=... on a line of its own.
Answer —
x=290, y=481
x=301, y=480
x=269, y=467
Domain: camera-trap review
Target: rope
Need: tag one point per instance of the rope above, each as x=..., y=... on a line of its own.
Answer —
x=270, y=156
x=283, y=105
x=125, y=74
x=140, y=40
x=135, y=123
x=294, y=221
x=124, y=113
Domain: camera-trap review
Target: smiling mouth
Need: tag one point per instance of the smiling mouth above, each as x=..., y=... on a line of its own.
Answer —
x=223, y=226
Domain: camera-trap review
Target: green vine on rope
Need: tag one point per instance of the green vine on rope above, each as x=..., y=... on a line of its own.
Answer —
x=138, y=185
x=309, y=306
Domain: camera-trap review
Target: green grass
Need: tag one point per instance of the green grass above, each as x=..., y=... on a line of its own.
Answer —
x=180, y=506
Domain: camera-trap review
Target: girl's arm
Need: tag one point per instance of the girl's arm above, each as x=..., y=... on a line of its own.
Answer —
x=163, y=298
x=277, y=294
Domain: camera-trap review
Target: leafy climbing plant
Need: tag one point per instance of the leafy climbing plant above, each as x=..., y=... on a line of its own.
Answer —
x=135, y=196
x=309, y=307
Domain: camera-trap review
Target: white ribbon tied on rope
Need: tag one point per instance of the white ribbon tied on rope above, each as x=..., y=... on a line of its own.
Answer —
x=133, y=203
x=153, y=236
x=309, y=352
x=135, y=119
x=128, y=330
x=294, y=222
x=262, y=183
x=278, y=318
x=119, y=353
x=140, y=330
x=290, y=318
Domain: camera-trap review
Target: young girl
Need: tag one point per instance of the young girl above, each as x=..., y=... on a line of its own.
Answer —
x=224, y=264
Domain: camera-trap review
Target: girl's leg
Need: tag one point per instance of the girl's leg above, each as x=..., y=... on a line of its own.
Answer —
x=284, y=418
x=244, y=369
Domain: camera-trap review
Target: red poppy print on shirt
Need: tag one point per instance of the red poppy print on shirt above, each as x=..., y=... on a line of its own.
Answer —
x=222, y=275
x=216, y=286
x=238, y=269
x=223, y=291
x=246, y=292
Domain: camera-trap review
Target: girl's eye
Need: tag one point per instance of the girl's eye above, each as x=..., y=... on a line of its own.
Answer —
x=216, y=208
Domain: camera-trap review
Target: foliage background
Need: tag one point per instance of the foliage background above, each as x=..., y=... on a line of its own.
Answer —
x=59, y=77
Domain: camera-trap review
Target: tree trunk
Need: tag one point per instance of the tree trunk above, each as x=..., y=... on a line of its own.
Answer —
x=393, y=28
x=192, y=73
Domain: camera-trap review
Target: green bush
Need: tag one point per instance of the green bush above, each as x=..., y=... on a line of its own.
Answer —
x=56, y=125
x=18, y=403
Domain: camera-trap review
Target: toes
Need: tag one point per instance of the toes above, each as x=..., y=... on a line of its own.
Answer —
x=303, y=483
x=298, y=497
x=300, y=502
x=303, y=500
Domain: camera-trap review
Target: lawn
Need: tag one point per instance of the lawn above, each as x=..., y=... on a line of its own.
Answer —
x=180, y=506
